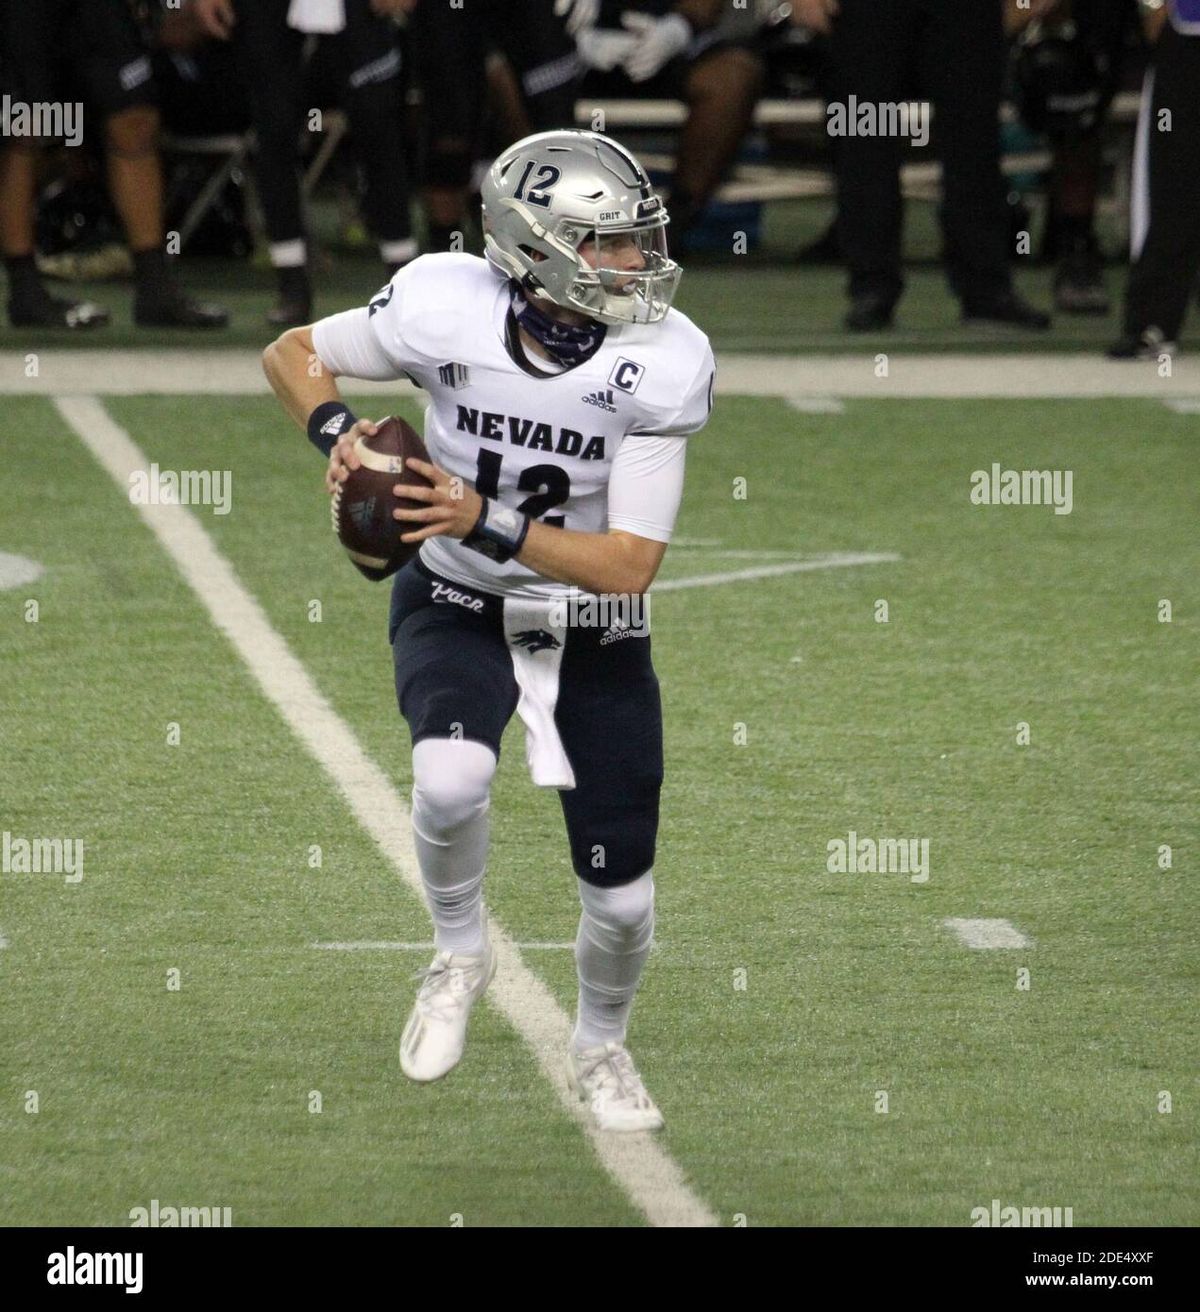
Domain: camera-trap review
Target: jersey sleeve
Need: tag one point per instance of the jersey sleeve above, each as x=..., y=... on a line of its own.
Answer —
x=645, y=485
x=686, y=411
x=347, y=347
x=377, y=341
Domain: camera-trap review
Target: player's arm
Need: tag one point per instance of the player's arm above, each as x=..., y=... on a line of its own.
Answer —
x=612, y=562
x=296, y=374
x=303, y=366
x=644, y=490
x=309, y=393
x=616, y=561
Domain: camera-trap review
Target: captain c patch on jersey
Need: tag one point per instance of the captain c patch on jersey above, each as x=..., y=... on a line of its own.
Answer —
x=626, y=375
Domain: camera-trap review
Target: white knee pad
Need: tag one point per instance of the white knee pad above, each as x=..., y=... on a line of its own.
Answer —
x=625, y=913
x=451, y=781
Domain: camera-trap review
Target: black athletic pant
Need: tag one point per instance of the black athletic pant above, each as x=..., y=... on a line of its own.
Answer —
x=454, y=678
x=51, y=49
x=1164, y=272
x=365, y=60
x=960, y=53
x=450, y=47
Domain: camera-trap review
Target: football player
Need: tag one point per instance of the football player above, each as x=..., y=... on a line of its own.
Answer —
x=562, y=386
x=93, y=49
x=360, y=57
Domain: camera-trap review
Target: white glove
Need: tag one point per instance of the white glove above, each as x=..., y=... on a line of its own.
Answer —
x=603, y=48
x=659, y=41
x=583, y=14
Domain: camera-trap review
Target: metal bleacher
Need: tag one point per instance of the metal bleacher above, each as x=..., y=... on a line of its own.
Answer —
x=748, y=181
x=771, y=181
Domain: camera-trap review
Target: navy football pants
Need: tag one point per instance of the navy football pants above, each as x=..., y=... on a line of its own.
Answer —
x=454, y=677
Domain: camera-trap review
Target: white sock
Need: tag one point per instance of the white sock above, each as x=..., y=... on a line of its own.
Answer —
x=615, y=932
x=288, y=254
x=398, y=252
x=451, y=781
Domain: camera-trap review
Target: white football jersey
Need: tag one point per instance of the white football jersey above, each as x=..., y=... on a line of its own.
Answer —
x=594, y=447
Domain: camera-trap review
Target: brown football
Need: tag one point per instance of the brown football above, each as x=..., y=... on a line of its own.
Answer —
x=363, y=504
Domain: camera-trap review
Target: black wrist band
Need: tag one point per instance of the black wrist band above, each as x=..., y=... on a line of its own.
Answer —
x=499, y=532
x=327, y=423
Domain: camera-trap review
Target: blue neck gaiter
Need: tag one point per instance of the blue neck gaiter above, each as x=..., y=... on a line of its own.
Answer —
x=569, y=344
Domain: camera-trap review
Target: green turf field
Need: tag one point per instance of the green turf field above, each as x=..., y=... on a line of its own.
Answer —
x=781, y=999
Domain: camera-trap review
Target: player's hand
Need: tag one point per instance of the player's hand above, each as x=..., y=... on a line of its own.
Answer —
x=659, y=41
x=580, y=14
x=215, y=17
x=816, y=15
x=452, y=507
x=343, y=458
x=602, y=48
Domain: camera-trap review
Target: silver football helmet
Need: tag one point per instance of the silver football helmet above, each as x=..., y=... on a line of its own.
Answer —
x=572, y=217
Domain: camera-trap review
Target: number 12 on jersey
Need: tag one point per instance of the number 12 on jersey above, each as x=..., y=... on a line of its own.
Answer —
x=549, y=485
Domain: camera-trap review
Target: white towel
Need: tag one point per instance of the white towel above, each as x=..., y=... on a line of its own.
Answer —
x=321, y=16
x=536, y=646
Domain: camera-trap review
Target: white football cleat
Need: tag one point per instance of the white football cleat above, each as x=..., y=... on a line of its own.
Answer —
x=433, y=1040
x=606, y=1079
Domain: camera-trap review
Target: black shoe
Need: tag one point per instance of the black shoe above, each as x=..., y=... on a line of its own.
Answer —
x=826, y=249
x=870, y=313
x=42, y=310
x=290, y=314
x=1079, y=285
x=1005, y=309
x=293, y=303
x=1146, y=345
x=171, y=307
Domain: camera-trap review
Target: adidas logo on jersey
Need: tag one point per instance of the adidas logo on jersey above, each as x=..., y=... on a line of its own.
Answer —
x=602, y=399
x=620, y=629
x=455, y=375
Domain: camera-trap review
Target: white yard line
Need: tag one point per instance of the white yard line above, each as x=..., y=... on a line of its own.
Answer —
x=639, y=1164
x=1184, y=405
x=832, y=560
x=17, y=571
x=817, y=405
x=745, y=553
x=382, y=945
x=986, y=934
x=794, y=378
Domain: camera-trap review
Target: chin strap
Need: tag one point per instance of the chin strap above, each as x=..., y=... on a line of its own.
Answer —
x=569, y=344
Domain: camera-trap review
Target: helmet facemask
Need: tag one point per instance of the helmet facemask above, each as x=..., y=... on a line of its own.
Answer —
x=625, y=275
